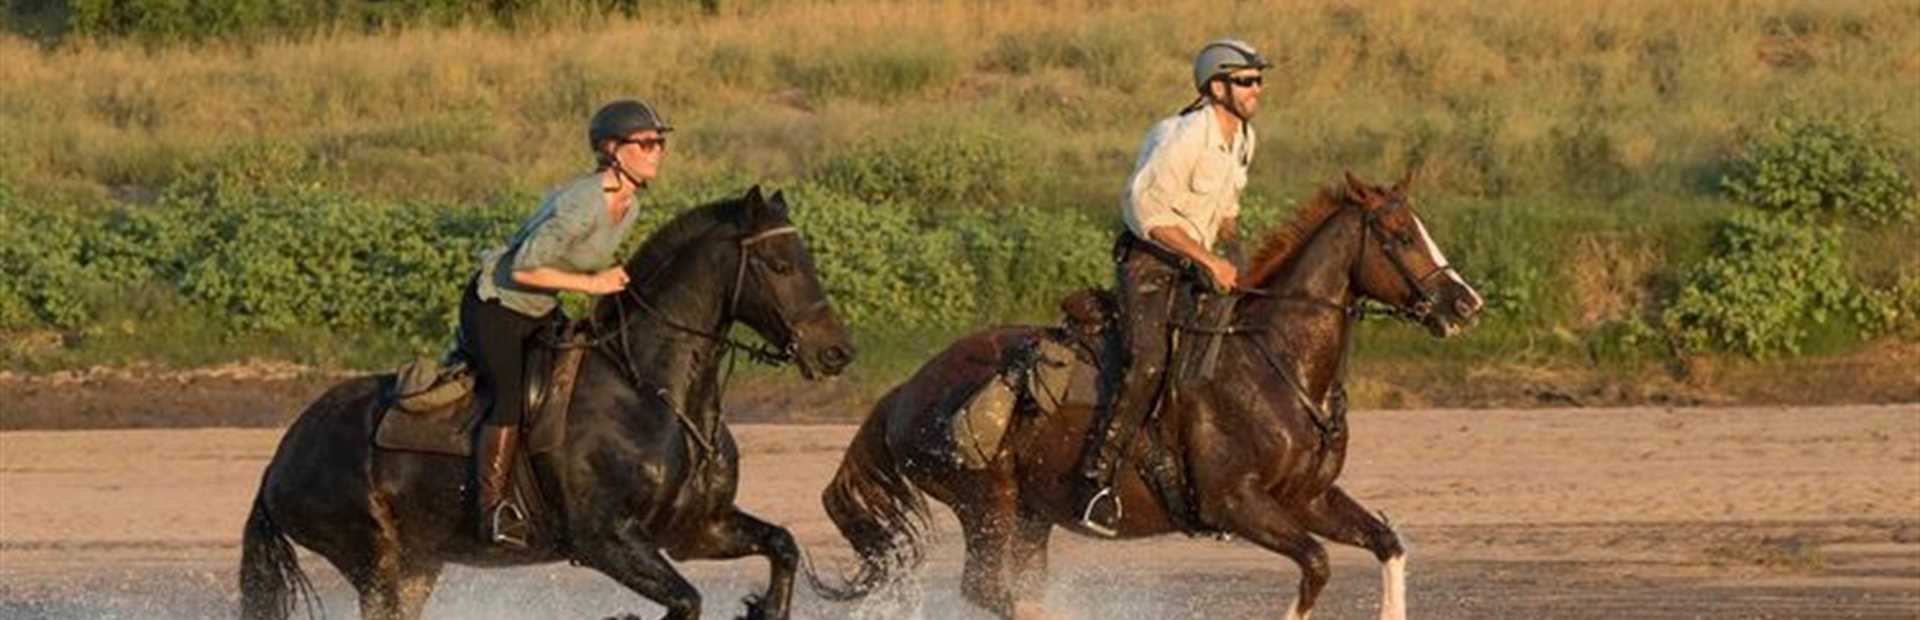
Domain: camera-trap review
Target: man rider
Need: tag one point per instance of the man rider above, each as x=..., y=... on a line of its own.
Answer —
x=1179, y=205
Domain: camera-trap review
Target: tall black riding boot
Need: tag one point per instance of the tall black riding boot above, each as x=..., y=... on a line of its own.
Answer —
x=500, y=520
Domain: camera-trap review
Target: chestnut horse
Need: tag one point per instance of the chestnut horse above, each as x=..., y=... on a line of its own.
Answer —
x=1262, y=442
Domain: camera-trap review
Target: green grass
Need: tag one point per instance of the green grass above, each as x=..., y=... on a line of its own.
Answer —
x=1537, y=128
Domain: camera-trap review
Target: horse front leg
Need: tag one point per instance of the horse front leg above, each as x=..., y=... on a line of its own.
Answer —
x=739, y=534
x=1337, y=517
x=638, y=565
x=1264, y=521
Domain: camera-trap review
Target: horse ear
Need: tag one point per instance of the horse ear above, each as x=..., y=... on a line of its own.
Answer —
x=1356, y=187
x=779, y=202
x=1406, y=181
x=753, y=196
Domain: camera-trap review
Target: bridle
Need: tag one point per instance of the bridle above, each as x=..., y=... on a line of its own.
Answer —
x=757, y=352
x=1331, y=423
x=622, y=353
x=1421, y=308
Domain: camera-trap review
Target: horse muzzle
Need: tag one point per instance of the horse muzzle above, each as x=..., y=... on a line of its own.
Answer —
x=1457, y=310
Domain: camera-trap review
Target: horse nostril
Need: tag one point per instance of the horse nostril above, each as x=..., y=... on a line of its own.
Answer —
x=835, y=357
x=1467, y=305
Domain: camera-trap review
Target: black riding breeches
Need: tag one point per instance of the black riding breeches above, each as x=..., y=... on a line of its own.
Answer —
x=496, y=337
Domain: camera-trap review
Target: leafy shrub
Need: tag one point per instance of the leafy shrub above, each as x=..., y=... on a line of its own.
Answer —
x=40, y=269
x=943, y=167
x=1767, y=280
x=1027, y=258
x=881, y=268
x=1821, y=166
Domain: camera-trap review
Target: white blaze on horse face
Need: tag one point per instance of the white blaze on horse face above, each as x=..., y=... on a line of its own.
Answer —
x=1440, y=260
x=1393, y=588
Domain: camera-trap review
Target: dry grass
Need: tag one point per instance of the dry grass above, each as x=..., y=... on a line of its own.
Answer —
x=1610, y=277
x=1480, y=94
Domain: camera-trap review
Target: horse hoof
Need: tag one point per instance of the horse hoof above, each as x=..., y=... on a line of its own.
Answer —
x=1034, y=611
x=756, y=608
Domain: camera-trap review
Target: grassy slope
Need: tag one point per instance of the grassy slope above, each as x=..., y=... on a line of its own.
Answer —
x=1567, y=143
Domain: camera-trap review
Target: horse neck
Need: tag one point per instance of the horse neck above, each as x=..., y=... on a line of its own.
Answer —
x=690, y=292
x=1304, y=316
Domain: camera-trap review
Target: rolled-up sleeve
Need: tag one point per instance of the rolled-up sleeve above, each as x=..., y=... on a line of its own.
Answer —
x=552, y=238
x=1162, y=178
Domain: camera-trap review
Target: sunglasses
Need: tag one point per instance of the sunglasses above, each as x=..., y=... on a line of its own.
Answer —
x=1247, y=81
x=648, y=145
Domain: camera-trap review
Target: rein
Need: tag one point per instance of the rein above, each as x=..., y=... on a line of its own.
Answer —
x=623, y=357
x=1330, y=423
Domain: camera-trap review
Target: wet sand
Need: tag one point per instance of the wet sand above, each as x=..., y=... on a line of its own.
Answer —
x=1566, y=513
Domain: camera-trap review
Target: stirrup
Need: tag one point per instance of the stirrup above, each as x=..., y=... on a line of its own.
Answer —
x=1086, y=516
x=500, y=519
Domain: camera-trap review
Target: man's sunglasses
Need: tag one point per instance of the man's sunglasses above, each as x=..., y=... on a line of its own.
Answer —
x=648, y=144
x=1246, y=81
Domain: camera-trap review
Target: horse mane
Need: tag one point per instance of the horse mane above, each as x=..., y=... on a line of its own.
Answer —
x=668, y=240
x=1285, y=241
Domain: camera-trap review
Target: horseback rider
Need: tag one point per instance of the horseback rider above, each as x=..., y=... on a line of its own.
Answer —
x=567, y=245
x=1180, y=204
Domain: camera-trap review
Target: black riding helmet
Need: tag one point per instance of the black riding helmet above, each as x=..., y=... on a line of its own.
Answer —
x=618, y=120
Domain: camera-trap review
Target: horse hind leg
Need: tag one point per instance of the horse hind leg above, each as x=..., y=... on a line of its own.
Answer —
x=1337, y=517
x=988, y=529
x=739, y=535
x=1029, y=556
x=390, y=589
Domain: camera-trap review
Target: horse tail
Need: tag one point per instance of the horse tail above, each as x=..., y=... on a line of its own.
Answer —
x=877, y=509
x=271, y=582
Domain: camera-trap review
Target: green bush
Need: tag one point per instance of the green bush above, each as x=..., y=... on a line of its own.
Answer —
x=882, y=269
x=1027, y=258
x=942, y=167
x=1808, y=167
x=41, y=274
x=1768, y=279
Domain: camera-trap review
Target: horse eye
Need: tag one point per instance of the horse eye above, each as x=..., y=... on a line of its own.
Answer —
x=779, y=266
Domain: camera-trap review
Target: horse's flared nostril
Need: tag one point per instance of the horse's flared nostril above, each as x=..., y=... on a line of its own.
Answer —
x=835, y=358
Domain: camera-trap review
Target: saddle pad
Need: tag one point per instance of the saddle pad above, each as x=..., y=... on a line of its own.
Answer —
x=1055, y=378
x=449, y=429
x=1060, y=378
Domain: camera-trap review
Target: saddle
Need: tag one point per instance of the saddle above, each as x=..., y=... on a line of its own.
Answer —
x=1061, y=366
x=432, y=407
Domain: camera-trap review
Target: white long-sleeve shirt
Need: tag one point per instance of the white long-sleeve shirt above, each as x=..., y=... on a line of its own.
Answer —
x=1188, y=175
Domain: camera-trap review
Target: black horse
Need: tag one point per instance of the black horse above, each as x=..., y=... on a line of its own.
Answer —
x=647, y=469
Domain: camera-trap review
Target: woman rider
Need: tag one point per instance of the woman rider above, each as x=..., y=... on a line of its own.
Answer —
x=568, y=245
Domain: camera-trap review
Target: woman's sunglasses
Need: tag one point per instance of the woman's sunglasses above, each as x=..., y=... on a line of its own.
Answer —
x=648, y=145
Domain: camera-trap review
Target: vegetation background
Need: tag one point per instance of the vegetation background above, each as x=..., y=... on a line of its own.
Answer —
x=1664, y=202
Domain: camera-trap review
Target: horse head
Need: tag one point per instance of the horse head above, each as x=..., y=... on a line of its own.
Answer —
x=776, y=290
x=1401, y=266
